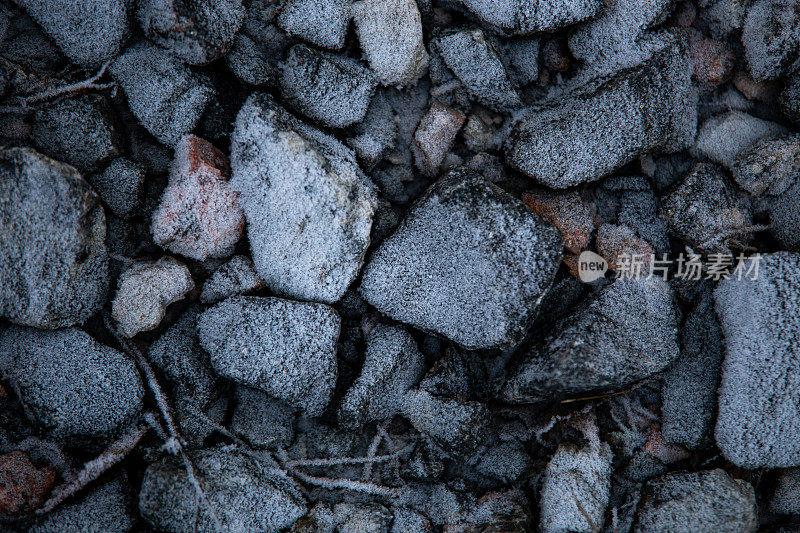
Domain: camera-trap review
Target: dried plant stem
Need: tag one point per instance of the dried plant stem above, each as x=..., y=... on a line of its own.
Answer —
x=336, y=461
x=346, y=484
x=371, y=451
x=72, y=88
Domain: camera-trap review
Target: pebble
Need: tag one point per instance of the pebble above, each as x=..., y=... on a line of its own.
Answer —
x=566, y=211
x=320, y=22
x=769, y=166
x=121, y=186
x=237, y=276
x=435, y=136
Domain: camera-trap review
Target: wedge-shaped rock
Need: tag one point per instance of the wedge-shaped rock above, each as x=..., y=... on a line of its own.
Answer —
x=522, y=17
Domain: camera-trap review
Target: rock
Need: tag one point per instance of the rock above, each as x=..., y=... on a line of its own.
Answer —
x=263, y=421
x=71, y=384
x=390, y=33
x=121, y=186
x=784, y=217
x=689, y=391
x=467, y=229
x=24, y=487
x=81, y=130
x=506, y=462
x=244, y=493
x=145, y=290
x=522, y=18
x=522, y=56
x=320, y=22
x=392, y=366
x=770, y=166
x=284, y=348
x=584, y=135
x=790, y=99
x=621, y=334
x=331, y=89
x=199, y=215
x=308, y=206
x=714, y=61
x=87, y=31
x=407, y=520
x=620, y=247
x=461, y=428
x=475, y=62
x=771, y=37
x=197, y=32
x=710, y=500
x=706, y=212
x=166, y=97
x=237, y=276
x=758, y=422
x=576, y=487
x=786, y=498
x=723, y=17
x=367, y=518
x=726, y=138
x=376, y=134
x=259, y=46
x=435, y=136
x=106, y=508
x=566, y=211
x=54, y=265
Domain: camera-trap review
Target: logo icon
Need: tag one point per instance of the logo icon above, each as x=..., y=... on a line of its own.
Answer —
x=591, y=266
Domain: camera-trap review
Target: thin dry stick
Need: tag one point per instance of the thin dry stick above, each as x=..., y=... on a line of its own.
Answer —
x=346, y=484
x=96, y=467
x=72, y=88
x=337, y=461
x=371, y=451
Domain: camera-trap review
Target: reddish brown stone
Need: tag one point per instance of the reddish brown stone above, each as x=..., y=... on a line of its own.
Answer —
x=23, y=487
x=616, y=241
x=567, y=212
x=714, y=61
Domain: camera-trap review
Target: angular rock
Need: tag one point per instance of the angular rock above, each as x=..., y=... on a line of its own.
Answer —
x=87, y=31
x=390, y=33
x=320, y=22
x=121, y=186
x=784, y=217
x=790, y=99
x=435, y=136
x=166, y=97
x=567, y=211
x=145, y=290
x=466, y=229
x=523, y=60
x=619, y=245
x=284, y=348
x=377, y=133
x=771, y=37
x=245, y=494
x=476, y=63
x=199, y=214
x=330, y=89
x=407, y=520
x=54, y=265
x=771, y=166
x=235, y=277
x=263, y=421
x=522, y=18
x=725, y=138
x=506, y=462
x=392, y=366
x=786, y=498
x=308, y=206
x=259, y=46
x=623, y=333
x=710, y=500
x=584, y=135
x=758, y=423
x=198, y=32
x=74, y=386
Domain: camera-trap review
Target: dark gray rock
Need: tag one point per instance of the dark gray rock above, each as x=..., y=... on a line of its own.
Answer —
x=727, y=137
x=54, y=265
x=121, y=186
x=784, y=217
x=376, y=134
x=522, y=18
x=522, y=57
x=758, y=424
x=468, y=262
x=259, y=46
x=245, y=494
x=284, y=348
x=771, y=37
x=71, y=384
x=700, y=501
x=790, y=99
x=320, y=22
x=261, y=420
x=771, y=166
x=198, y=32
x=308, y=205
x=786, y=498
x=331, y=89
x=233, y=278
x=623, y=333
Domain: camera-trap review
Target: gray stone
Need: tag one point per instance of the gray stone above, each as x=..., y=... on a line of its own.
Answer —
x=73, y=386
x=261, y=420
x=469, y=262
x=790, y=99
x=308, y=205
x=784, y=217
x=758, y=423
x=233, y=278
x=786, y=498
x=284, y=348
x=726, y=138
x=320, y=22
x=54, y=265
x=121, y=186
x=771, y=37
x=771, y=166
x=522, y=18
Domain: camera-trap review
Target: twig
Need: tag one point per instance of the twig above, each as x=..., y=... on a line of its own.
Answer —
x=96, y=467
x=336, y=461
x=346, y=484
x=371, y=451
x=85, y=85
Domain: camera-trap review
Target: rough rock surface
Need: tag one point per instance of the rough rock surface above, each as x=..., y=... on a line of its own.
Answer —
x=320, y=22
x=121, y=186
x=784, y=216
x=435, y=136
x=54, y=265
x=261, y=420
x=771, y=37
x=522, y=18
x=727, y=137
x=465, y=228
x=308, y=205
x=770, y=166
x=786, y=498
x=235, y=277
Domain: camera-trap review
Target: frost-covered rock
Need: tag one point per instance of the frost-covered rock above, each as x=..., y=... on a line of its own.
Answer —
x=320, y=22
x=331, y=89
x=54, y=264
x=790, y=99
x=469, y=262
x=259, y=46
x=377, y=133
x=392, y=366
x=565, y=210
x=771, y=37
x=725, y=138
x=166, y=97
x=621, y=334
x=145, y=290
x=89, y=32
x=771, y=166
x=435, y=136
x=121, y=186
x=758, y=424
x=73, y=386
x=199, y=215
x=784, y=217
x=786, y=498
x=198, y=32
x=522, y=56
x=308, y=205
x=586, y=134
x=262, y=420
x=699, y=501
x=407, y=520
x=284, y=348
x=390, y=33
x=476, y=63
x=521, y=18
x=235, y=277
x=246, y=495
